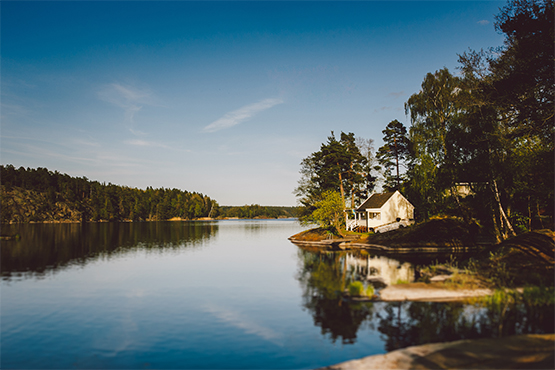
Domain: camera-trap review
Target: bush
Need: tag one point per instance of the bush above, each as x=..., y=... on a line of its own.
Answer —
x=356, y=288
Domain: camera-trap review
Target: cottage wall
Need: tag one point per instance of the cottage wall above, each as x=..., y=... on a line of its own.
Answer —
x=395, y=207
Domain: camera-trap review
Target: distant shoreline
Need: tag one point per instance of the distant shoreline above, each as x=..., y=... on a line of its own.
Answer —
x=174, y=219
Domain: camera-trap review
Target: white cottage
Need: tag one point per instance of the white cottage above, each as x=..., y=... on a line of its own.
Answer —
x=381, y=210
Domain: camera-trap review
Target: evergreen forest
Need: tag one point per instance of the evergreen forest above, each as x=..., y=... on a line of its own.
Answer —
x=38, y=195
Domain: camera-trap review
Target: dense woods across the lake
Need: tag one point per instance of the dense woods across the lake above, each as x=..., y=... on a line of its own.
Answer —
x=257, y=211
x=38, y=195
x=480, y=144
x=42, y=195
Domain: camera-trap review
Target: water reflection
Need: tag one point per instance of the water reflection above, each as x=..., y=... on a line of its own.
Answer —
x=50, y=247
x=380, y=269
x=404, y=324
x=324, y=276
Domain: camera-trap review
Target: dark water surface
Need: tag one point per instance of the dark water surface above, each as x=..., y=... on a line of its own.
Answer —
x=212, y=295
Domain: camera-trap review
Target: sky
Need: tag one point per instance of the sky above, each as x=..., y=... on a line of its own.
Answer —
x=221, y=98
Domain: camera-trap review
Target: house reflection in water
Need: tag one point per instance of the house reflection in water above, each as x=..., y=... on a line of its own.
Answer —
x=379, y=269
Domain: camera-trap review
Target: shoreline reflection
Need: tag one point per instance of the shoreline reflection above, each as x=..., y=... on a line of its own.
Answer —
x=325, y=275
x=45, y=248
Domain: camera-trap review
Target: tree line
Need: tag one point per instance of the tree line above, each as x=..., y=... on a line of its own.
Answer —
x=488, y=129
x=42, y=195
x=257, y=211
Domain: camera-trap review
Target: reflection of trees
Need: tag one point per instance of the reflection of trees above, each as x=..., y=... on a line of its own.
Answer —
x=49, y=247
x=517, y=316
x=406, y=324
x=324, y=277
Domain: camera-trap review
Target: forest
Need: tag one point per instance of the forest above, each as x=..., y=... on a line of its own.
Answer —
x=257, y=211
x=38, y=195
x=480, y=144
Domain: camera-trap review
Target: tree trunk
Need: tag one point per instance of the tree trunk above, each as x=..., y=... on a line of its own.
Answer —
x=503, y=216
x=396, y=161
x=341, y=186
x=529, y=215
x=352, y=187
x=539, y=215
x=461, y=210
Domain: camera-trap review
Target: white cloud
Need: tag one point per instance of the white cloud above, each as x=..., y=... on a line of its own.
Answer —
x=397, y=94
x=153, y=144
x=483, y=22
x=387, y=109
x=242, y=114
x=126, y=97
x=138, y=142
x=244, y=323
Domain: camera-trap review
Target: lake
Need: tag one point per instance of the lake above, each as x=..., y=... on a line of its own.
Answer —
x=232, y=294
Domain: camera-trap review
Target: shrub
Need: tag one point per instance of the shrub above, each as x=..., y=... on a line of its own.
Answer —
x=356, y=288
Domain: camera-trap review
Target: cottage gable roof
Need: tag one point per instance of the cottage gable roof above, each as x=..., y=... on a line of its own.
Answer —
x=375, y=201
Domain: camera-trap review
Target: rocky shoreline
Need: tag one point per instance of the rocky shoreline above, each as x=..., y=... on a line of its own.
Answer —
x=346, y=244
x=532, y=351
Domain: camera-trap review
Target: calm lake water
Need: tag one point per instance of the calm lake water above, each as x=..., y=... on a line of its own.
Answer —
x=209, y=295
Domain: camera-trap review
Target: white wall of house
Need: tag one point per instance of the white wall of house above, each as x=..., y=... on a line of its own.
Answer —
x=395, y=207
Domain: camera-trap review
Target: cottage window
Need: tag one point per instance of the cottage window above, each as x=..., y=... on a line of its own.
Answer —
x=375, y=216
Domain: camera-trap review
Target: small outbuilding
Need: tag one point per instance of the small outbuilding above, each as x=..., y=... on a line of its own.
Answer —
x=380, y=210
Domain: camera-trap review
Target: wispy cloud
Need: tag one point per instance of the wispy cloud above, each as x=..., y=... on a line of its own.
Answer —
x=387, y=109
x=242, y=114
x=244, y=323
x=130, y=99
x=397, y=94
x=153, y=144
x=483, y=22
x=138, y=142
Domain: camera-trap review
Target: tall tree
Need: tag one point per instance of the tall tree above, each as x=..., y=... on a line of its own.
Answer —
x=394, y=152
x=338, y=166
x=510, y=112
x=370, y=171
x=523, y=80
x=435, y=112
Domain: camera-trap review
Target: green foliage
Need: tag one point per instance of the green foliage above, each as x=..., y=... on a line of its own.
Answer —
x=329, y=210
x=491, y=128
x=343, y=166
x=356, y=288
x=394, y=153
x=536, y=296
x=498, y=273
x=530, y=296
x=42, y=195
x=257, y=211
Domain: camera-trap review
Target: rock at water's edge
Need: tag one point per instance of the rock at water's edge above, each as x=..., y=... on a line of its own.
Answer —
x=532, y=351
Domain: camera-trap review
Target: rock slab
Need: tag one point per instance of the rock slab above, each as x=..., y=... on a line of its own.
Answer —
x=532, y=351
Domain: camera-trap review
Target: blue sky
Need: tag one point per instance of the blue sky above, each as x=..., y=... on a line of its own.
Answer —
x=222, y=98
